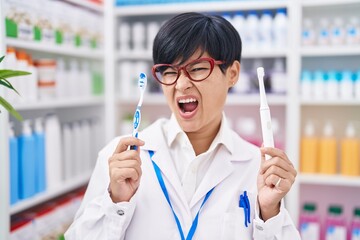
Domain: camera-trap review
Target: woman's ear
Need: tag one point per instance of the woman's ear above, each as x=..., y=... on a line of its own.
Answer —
x=233, y=73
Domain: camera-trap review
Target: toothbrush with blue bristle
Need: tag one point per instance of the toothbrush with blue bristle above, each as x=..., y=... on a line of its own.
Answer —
x=142, y=82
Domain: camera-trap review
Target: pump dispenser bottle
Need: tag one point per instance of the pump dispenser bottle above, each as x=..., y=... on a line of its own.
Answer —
x=14, y=166
x=40, y=169
x=350, y=153
x=309, y=150
x=309, y=222
x=328, y=151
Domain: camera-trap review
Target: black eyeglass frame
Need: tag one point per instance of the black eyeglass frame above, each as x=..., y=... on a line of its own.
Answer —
x=212, y=62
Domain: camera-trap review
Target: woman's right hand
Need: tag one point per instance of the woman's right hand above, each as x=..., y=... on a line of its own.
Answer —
x=125, y=170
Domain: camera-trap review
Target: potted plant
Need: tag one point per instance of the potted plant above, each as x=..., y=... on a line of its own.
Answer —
x=4, y=74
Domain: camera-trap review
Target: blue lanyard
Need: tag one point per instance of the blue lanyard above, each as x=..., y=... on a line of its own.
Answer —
x=163, y=188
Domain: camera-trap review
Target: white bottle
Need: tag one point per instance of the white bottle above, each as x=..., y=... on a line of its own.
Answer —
x=86, y=136
x=280, y=29
x=279, y=77
x=125, y=76
x=73, y=82
x=252, y=28
x=61, y=77
x=306, y=85
x=319, y=85
x=138, y=36
x=22, y=81
x=152, y=29
x=346, y=85
x=265, y=30
x=78, y=161
x=308, y=32
x=243, y=84
x=323, y=32
x=353, y=31
x=357, y=85
x=53, y=149
x=32, y=82
x=124, y=37
x=10, y=62
x=332, y=86
x=85, y=80
x=239, y=24
x=67, y=141
x=337, y=35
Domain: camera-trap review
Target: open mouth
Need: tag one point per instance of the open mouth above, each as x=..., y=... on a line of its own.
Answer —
x=188, y=105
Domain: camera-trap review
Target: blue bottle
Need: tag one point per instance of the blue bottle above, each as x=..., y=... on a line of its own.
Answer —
x=14, y=163
x=26, y=162
x=40, y=161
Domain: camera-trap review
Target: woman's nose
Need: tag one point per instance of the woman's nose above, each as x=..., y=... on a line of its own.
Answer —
x=183, y=82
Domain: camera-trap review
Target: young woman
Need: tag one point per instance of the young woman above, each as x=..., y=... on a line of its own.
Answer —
x=191, y=176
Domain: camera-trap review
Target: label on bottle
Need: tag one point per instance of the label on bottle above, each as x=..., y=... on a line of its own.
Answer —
x=355, y=234
x=310, y=231
x=335, y=233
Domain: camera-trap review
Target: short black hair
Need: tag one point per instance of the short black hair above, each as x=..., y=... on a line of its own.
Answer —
x=181, y=36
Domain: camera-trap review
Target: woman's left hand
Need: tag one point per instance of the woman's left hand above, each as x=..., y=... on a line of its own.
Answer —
x=276, y=176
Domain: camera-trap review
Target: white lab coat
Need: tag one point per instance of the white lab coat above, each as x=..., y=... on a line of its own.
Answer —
x=148, y=215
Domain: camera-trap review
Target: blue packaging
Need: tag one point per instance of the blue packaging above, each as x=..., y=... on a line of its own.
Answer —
x=40, y=161
x=14, y=163
x=26, y=162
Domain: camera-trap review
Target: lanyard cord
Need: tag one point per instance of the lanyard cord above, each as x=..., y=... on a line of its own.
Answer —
x=166, y=194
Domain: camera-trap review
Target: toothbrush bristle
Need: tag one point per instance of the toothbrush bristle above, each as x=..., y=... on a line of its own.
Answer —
x=142, y=80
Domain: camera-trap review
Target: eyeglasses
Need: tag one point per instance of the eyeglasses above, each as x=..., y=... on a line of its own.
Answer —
x=197, y=71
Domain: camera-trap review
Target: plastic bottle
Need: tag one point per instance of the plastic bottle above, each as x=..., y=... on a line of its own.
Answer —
x=27, y=162
x=328, y=151
x=22, y=81
x=77, y=161
x=73, y=79
x=85, y=80
x=239, y=24
x=252, y=34
x=335, y=227
x=61, y=79
x=306, y=85
x=353, y=31
x=265, y=30
x=152, y=29
x=323, y=32
x=278, y=77
x=337, y=35
x=319, y=85
x=346, y=85
x=247, y=130
x=309, y=150
x=357, y=85
x=280, y=29
x=14, y=166
x=67, y=141
x=53, y=151
x=40, y=166
x=350, y=152
x=124, y=37
x=86, y=138
x=32, y=81
x=309, y=222
x=308, y=32
x=10, y=62
x=138, y=36
x=332, y=85
x=243, y=85
x=355, y=225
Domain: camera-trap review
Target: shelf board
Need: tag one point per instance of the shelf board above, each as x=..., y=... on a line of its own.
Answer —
x=60, y=103
x=312, y=102
x=43, y=197
x=334, y=180
x=323, y=51
x=88, y=4
x=147, y=55
x=219, y=6
x=55, y=49
x=318, y=3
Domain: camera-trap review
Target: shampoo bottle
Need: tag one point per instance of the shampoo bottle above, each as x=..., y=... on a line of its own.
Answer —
x=27, y=162
x=40, y=169
x=328, y=151
x=309, y=157
x=335, y=227
x=350, y=153
x=355, y=225
x=14, y=165
x=309, y=222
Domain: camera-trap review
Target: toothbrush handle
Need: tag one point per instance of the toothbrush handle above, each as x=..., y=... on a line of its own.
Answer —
x=266, y=128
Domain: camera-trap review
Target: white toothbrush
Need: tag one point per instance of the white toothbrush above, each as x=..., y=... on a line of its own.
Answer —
x=142, y=82
x=265, y=116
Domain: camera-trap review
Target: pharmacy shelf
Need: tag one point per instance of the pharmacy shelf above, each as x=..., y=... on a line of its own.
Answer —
x=61, y=103
x=319, y=3
x=330, y=51
x=233, y=99
x=261, y=53
x=219, y=6
x=55, y=49
x=43, y=197
x=88, y=4
x=333, y=180
x=312, y=102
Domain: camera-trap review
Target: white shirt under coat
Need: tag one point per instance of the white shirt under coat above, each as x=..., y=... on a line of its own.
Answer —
x=230, y=165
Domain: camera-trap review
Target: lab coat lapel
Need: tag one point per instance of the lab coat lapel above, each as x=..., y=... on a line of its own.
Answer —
x=220, y=168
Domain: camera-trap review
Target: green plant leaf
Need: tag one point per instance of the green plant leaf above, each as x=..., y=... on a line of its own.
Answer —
x=10, y=109
x=6, y=73
x=7, y=84
x=1, y=58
